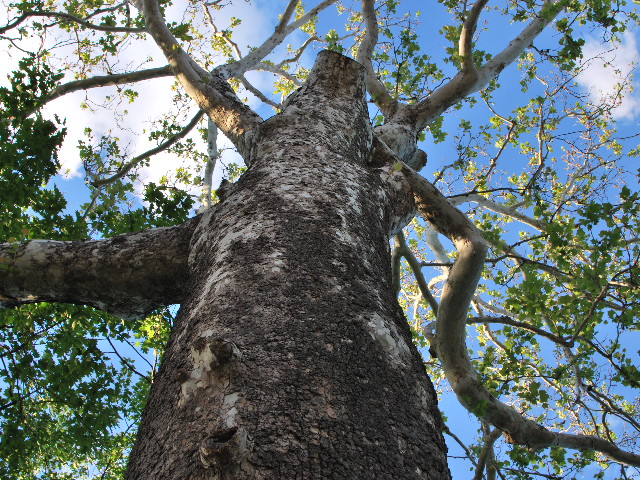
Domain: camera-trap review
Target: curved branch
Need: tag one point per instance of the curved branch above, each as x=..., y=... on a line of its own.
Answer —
x=72, y=18
x=379, y=94
x=210, y=91
x=465, y=43
x=300, y=51
x=128, y=275
x=163, y=146
x=451, y=330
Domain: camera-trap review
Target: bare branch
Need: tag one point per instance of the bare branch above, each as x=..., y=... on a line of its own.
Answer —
x=498, y=208
x=281, y=32
x=105, y=81
x=378, y=91
x=250, y=88
x=468, y=452
x=160, y=148
x=403, y=249
x=271, y=68
x=506, y=320
x=128, y=363
x=300, y=51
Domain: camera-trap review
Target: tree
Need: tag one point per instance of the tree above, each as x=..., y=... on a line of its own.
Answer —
x=290, y=355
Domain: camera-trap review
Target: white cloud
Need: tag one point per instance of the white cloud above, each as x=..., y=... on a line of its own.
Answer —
x=607, y=68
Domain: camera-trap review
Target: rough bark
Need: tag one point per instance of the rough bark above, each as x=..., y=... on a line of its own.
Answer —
x=291, y=358
x=127, y=275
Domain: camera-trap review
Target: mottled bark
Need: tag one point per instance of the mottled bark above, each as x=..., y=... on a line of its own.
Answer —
x=291, y=357
x=128, y=275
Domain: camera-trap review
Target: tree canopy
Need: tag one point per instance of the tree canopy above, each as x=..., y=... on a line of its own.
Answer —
x=545, y=169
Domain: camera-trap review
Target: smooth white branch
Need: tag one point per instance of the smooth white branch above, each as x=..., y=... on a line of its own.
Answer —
x=470, y=78
x=451, y=324
x=379, y=93
x=282, y=30
x=498, y=208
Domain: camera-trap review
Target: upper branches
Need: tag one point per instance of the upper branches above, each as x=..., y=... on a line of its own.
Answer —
x=282, y=30
x=470, y=78
x=210, y=91
x=378, y=91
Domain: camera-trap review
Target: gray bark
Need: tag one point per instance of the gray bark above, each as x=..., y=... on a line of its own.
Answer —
x=291, y=358
x=128, y=275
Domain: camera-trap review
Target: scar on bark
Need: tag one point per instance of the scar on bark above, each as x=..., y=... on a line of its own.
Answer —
x=225, y=448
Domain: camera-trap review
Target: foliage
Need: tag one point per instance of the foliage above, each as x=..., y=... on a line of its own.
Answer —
x=539, y=165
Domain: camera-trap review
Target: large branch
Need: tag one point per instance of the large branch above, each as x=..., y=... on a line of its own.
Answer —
x=210, y=91
x=128, y=275
x=451, y=330
x=471, y=79
x=378, y=91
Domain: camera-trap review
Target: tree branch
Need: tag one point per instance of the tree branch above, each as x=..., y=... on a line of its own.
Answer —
x=380, y=95
x=210, y=91
x=212, y=158
x=498, y=208
x=487, y=453
x=104, y=81
x=128, y=275
x=506, y=320
x=282, y=30
x=471, y=79
x=403, y=249
x=451, y=330
x=72, y=18
x=465, y=43
x=149, y=153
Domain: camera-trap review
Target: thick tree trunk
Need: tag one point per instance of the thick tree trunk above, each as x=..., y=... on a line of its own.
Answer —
x=290, y=357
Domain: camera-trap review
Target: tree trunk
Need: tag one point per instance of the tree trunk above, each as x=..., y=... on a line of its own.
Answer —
x=290, y=357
